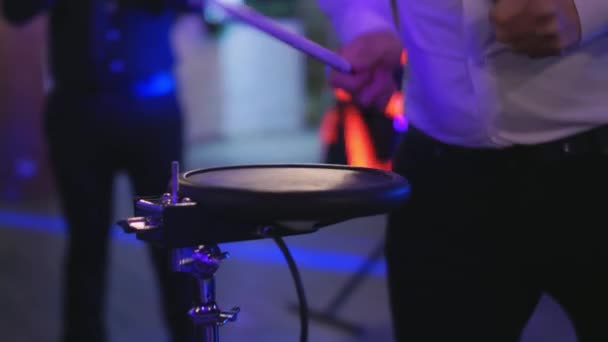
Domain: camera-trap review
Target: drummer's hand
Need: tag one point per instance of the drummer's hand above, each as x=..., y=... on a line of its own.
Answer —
x=537, y=28
x=374, y=58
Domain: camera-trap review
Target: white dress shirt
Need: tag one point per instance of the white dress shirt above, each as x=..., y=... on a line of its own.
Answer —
x=466, y=89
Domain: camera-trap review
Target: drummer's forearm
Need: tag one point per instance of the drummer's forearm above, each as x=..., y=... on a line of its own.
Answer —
x=19, y=12
x=351, y=18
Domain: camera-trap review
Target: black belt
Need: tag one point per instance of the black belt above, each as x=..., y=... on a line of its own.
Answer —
x=594, y=141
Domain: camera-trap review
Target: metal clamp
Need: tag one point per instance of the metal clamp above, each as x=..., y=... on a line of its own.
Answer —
x=229, y=316
x=151, y=211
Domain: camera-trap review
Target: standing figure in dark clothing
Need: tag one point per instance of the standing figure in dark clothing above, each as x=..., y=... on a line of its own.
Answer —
x=112, y=107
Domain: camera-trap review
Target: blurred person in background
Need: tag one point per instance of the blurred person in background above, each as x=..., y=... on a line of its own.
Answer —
x=112, y=106
x=506, y=153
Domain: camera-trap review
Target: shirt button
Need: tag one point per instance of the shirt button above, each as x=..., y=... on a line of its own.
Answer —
x=117, y=66
x=113, y=35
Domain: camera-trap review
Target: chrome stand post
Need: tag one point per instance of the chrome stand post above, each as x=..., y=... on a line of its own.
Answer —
x=202, y=262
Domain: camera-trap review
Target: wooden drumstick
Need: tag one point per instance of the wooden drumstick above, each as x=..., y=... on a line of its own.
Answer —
x=264, y=24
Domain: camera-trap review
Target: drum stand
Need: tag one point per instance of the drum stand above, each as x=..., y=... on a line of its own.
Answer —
x=201, y=214
x=202, y=262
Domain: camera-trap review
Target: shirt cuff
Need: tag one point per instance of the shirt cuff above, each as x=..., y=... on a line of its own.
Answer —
x=356, y=21
x=593, y=15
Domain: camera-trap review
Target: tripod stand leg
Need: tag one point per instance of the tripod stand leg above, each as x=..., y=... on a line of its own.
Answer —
x=356, y=280
x=328, y=316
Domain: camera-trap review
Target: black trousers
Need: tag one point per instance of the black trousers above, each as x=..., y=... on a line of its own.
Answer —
x=486, y=232
x=90, y=140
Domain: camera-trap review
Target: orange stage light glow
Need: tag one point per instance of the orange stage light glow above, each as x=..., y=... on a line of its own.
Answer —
x=360, y=149
x=359, y=146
